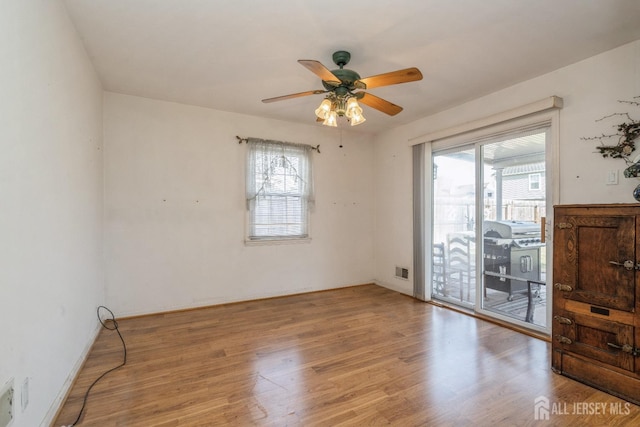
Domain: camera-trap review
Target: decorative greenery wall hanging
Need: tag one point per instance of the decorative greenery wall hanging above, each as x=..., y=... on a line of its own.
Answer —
x=627, y=133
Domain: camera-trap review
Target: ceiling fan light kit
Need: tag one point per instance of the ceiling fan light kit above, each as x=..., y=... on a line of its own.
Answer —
x=334, y=106
x=341, y=85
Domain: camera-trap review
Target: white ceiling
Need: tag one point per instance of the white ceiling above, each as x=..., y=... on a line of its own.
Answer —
x=230, y=54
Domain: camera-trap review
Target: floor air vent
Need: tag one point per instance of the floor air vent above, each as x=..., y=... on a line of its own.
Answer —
x=402, y=272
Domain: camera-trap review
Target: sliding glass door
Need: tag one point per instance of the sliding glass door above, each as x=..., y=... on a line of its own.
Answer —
x=454, y=226
x=489, y=203
x=514, y=262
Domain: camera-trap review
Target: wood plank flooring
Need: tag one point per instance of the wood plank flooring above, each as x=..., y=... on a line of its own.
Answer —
x=357, y=356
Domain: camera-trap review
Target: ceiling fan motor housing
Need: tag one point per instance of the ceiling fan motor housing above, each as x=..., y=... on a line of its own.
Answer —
x=347, y=77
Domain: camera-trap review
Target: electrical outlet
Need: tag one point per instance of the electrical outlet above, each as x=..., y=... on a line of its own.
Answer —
x=612, y=177
x=6, y=404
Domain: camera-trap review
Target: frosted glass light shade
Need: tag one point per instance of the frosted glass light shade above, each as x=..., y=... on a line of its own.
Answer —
x=323, y=110
x=358, y=118
x=352, y=107
x=331, y=120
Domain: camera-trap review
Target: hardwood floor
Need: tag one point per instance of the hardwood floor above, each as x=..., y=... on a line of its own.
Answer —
x=356, y=356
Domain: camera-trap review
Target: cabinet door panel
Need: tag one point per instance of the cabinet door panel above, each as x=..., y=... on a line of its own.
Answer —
x=587, y=248
x=591, y=337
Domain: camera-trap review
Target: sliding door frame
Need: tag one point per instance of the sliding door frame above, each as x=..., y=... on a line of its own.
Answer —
x=548, y=121
x=546, y=111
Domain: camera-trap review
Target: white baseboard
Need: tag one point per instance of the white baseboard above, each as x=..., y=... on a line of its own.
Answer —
x=205, y=303
x=393, y=287
x=53, y=411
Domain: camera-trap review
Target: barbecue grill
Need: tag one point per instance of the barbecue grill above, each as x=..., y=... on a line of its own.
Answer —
x=511, y=248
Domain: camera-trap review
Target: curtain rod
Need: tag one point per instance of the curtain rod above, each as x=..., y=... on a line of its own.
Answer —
x=241, y=140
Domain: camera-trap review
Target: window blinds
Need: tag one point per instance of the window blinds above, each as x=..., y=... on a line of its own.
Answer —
x=279, y=189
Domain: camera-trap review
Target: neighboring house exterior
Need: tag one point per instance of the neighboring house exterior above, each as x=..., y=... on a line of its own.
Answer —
x=524, y=182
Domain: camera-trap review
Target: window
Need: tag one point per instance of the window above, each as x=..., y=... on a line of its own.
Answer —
x=534, y=181
x=279, y=190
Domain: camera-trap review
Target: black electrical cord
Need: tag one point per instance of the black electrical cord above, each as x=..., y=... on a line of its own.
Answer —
x=113, y=327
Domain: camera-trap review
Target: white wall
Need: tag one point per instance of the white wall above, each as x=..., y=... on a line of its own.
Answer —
x=175, y=209
x=51, y=203
x=590, y=90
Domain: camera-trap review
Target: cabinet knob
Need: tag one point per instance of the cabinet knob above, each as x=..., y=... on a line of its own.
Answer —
x=563, y=340
x=563, y=287
x=563, y=320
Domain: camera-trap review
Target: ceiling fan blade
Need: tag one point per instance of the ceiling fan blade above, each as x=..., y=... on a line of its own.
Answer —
x=392, y=78
x=321, y=71
x=293, y=95
x=379, y=104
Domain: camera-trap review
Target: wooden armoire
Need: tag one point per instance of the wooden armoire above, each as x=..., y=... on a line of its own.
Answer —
x=596, y=296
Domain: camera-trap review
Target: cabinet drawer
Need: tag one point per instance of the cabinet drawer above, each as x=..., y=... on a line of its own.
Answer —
x=610, y=381
x=594, y=338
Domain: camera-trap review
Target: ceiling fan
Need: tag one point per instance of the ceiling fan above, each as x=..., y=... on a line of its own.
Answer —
x=344, y=88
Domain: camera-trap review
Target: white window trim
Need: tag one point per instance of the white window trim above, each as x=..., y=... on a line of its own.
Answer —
x=281, y=240
x=538, y=182
x=552, y=103
x=277, y=241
